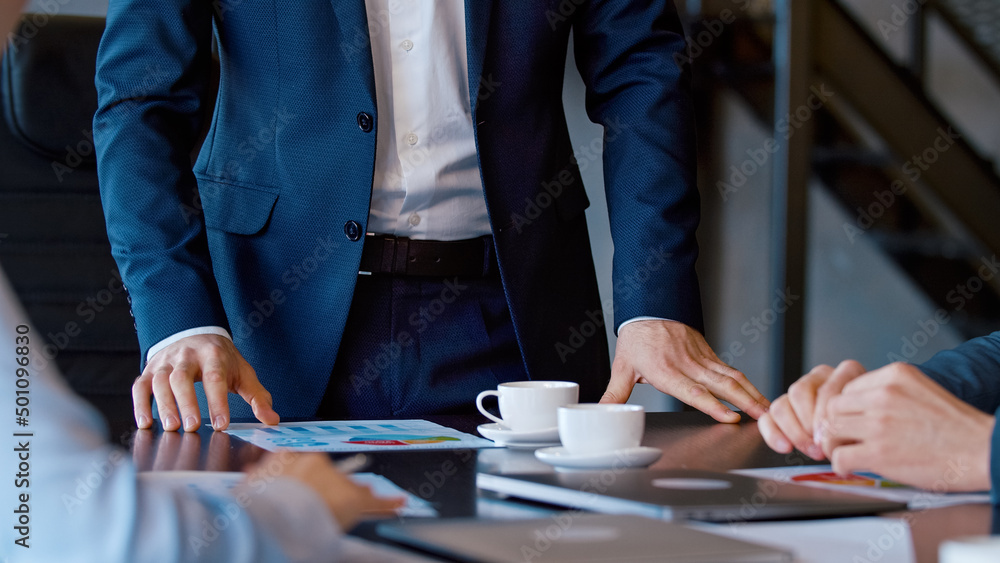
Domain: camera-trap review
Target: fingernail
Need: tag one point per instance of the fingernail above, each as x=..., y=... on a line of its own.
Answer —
x=190, y=422
x=169, y=421
x=784, y=445
x=219, y=422
x=143, y=421
x=815, y=452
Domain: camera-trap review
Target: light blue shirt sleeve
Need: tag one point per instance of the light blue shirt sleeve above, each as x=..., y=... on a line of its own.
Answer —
x=68, y=495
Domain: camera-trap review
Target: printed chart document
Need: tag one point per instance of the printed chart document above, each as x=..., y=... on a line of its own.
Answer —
x=867, y=484
x=357, y=436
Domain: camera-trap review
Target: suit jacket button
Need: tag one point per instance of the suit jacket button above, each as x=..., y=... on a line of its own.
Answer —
x=365, y=122
x=353, y=230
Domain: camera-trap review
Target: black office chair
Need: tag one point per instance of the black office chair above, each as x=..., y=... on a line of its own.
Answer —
x=53, y=242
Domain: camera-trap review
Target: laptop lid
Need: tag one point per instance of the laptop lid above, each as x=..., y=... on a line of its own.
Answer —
x=575, y=537
x=677, y=494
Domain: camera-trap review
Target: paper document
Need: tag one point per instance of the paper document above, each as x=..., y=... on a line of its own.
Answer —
x=886, y=540
x=867, y=484
x=221, y=482
x=356, y=436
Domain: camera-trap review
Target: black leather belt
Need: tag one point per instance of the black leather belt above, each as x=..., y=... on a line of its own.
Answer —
x=386, y=254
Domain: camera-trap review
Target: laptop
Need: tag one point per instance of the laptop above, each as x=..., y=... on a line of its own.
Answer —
x=679, y=494
x=574, y=537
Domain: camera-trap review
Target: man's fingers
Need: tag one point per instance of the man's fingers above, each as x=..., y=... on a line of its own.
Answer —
x=784, y=415
x=381, y=506
x=165, y=399
x=772, y=434
x=845, y=372
x=216, y=385
x=851, y=458
x=256, y=396
x=142, y=389
x=620, y=386
x=182, y=386
x=699, y=397
x=727, y=384
x=843, y=429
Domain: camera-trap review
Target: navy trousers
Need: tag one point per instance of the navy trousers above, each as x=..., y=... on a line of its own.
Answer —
x=415, y=346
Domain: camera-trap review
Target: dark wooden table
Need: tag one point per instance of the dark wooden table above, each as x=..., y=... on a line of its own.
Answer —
x=447, y=479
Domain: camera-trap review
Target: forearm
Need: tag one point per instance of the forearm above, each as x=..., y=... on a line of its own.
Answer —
x=152, y=72
x=637, y=90
x=970, y=371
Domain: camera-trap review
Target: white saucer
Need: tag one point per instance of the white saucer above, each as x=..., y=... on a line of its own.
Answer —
x=504, y=436
x=625, y=458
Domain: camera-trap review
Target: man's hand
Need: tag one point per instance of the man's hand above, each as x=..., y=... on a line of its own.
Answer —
x=171, y=374
x=794, y=419
x=675, y=359
x=897, y=422
x=347, y=501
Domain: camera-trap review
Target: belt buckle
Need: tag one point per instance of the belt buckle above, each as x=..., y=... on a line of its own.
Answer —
x=362, y=272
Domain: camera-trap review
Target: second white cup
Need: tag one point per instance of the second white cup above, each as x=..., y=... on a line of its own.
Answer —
x=527, y=406
x=590, y=428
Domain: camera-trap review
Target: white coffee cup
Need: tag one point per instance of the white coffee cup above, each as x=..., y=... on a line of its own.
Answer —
x=530, y=405
x=591, y=428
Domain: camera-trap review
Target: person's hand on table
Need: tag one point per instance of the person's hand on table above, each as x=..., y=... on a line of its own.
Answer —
x=347, y=501
x=795, y=418
x=170, y=376
x=897, y=422
x=675, y=359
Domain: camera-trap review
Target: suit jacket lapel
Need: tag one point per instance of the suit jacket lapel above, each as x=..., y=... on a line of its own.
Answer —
x=477, y=25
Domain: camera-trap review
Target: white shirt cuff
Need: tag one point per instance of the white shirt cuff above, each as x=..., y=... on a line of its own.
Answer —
x=184, y=334
x=634, y=319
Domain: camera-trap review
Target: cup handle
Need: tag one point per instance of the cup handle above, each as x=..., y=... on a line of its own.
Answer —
x=487, y=414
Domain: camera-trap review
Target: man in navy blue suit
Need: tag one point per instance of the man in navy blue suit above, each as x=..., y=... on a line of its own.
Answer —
x=386, y=215
x=931, y=426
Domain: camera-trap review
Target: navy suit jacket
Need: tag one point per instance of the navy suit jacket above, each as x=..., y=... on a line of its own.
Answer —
x=256, y=235
x=971, y=372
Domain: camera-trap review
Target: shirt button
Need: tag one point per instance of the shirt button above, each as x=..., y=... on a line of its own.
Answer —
x=353, y=230
x=406, y=44
x=414, y=220
x=365, y=122
x=412, y=139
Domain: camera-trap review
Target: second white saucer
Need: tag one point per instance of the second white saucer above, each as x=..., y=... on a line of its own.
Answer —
x=624, y=458
x=504, y=436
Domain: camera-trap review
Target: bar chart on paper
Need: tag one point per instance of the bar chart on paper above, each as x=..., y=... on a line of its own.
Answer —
x=356, y=436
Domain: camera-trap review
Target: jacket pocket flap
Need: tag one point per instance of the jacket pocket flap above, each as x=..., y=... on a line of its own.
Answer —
x=235, y=209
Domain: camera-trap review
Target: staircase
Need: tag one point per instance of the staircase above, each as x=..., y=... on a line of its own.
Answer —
x=867, y=128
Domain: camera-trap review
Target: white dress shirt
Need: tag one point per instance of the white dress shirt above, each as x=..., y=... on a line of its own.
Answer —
x=427, y=183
